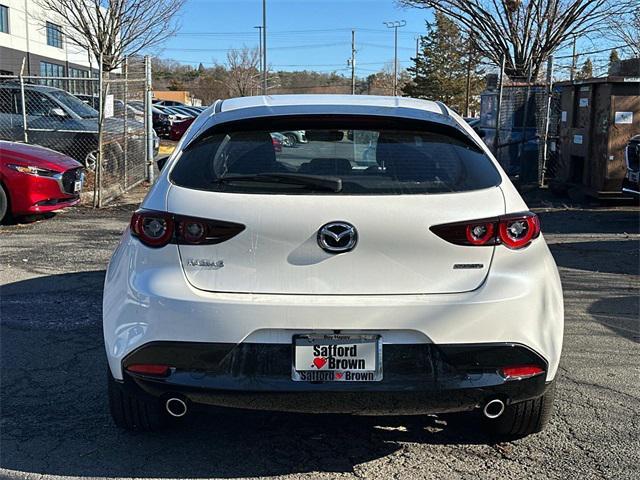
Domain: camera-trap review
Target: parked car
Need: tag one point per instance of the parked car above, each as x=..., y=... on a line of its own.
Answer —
x=278, y=140
x=295, y=137
x=35, y=180
x=135, y=111
x=301, y=281
x=161, y=122
x=190, y=111
x=631, y=181
x=167, y=103
x=61, y=121
x=177, y=129
x=174, y=114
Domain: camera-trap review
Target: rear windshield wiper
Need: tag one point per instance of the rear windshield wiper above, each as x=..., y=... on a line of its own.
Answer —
x=332, y=184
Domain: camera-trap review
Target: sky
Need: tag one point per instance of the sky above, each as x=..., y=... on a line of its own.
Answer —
x=311, y=34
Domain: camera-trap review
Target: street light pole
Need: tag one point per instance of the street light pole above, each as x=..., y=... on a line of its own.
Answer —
x=259, y=51
x=395, y=25
x=264, y=47
x=353, y=62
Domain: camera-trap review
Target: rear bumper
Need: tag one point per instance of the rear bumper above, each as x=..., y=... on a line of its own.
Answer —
x=418, y=379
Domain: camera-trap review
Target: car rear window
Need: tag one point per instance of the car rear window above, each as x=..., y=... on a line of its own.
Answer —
x=373, y=157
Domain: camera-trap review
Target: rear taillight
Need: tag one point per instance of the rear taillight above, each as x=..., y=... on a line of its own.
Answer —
x=517, y=232
x=157, y=229
x=154, y=229
x=520, y=372
x=514, y=231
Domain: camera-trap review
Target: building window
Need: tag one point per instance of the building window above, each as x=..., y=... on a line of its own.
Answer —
x=54, y=35
x=51, y=70
x=4, y=19
x=80, y=86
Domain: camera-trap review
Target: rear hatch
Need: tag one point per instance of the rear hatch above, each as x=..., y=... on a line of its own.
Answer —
x=390, y=185
x=278, y=252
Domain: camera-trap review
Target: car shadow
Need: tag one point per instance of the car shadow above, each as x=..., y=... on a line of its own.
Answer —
x=604, y=256
x=26, y=219
x=55, y=416
x=619, y=314
x=578, y=221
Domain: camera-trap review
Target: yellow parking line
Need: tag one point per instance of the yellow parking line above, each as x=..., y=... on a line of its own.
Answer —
x=166, y=149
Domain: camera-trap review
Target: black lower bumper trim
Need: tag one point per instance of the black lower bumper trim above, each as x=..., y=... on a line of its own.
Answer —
x=419, y=378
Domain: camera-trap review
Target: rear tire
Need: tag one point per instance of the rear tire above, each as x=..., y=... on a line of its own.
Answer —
x=133, y=412
x=293, y=140
x=524, y=418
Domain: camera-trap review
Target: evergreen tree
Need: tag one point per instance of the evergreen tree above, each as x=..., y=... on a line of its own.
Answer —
x=440, y=69
x=586, y=71
x=614, y=58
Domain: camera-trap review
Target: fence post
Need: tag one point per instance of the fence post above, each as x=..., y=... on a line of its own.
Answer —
x=101, y=100
x=542, y=170
x=148, y=123
x=24, y=105
x=496, y=138
x=525, y=121
x=126, y=116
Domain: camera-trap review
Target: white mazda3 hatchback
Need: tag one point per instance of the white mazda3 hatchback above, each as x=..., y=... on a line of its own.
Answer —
x=385, y=266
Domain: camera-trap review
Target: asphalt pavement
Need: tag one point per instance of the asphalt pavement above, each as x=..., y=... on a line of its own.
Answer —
x=54, y=421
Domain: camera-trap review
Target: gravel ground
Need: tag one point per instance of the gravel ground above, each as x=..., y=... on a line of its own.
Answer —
x=54, y=420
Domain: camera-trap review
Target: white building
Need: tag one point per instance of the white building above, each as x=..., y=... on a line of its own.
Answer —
x=27, y=32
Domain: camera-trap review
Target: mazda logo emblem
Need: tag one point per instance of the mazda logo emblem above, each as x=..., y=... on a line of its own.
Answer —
x=337, y=237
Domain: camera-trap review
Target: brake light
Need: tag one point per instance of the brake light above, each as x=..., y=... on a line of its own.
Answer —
x=479, y=234
x=514, y=231
x=157, y=229
x=154, y=229
x=518, y=232
x=520, y=372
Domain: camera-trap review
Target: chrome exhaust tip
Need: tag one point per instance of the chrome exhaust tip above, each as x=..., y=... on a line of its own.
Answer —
x=493, y=408
x=176, y=407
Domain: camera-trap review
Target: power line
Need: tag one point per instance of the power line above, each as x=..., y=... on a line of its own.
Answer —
x=582, y=54
x=289, y=47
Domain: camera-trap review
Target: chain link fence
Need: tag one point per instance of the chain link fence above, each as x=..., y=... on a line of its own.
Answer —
x=521, y=121
x=112, y=139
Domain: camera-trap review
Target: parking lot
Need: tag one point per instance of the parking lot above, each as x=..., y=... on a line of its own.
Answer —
x=55, y=421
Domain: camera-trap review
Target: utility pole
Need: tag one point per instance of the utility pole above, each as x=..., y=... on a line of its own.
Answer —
x=353, y=62
x=574, y=60
x=395, y=25
x=418, y=45
x=467, y=98
x=259, y=47
x=264, y=47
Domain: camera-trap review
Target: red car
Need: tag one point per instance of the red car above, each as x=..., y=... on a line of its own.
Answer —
x=177, y=129
x=34, y=180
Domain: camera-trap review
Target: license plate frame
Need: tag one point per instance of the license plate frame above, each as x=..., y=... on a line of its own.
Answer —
x=306, y=366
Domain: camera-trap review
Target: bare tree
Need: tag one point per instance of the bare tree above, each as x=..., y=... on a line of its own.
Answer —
x=243, y=71
x=524, y=32
x=626, y=28
x=112, y=29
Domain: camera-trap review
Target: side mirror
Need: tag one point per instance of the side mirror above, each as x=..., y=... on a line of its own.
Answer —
x=161, y=162
x=57, y=112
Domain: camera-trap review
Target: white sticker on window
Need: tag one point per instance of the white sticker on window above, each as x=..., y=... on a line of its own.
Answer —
x=108, y=106
x=625, y=118
x=584, y=102
x=577, y=139
x=564, y=116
